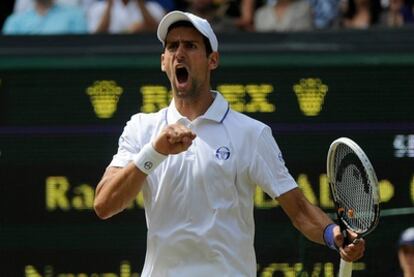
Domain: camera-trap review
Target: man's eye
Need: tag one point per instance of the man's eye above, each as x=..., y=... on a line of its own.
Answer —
x=171, y=47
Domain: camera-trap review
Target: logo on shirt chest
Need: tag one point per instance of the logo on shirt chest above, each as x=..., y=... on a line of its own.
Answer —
x=223, y=153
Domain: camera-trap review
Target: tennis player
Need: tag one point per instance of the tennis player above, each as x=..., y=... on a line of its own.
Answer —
x=197, y=163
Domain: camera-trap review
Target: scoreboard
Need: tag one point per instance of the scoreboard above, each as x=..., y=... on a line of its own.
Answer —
x=61, y=117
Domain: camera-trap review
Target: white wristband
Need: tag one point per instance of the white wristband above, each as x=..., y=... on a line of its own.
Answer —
x=148, y=159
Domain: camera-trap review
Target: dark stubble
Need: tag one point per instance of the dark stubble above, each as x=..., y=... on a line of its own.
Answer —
x=192, y=93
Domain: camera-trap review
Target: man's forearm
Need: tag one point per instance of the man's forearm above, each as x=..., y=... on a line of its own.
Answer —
x=117, y=189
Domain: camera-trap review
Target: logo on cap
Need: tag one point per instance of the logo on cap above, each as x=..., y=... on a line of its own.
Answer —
x=223, y=153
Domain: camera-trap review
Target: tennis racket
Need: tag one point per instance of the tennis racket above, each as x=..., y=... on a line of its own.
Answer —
x=354, y=188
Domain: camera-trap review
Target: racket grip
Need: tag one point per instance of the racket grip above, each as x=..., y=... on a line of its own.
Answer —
x=345, y=269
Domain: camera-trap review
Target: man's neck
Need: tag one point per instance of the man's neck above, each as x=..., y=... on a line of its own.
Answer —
x=193, y=108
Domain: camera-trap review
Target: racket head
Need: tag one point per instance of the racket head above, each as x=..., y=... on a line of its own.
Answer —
x=354, y=186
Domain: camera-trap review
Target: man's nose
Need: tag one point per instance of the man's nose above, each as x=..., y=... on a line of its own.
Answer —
x=180, y=53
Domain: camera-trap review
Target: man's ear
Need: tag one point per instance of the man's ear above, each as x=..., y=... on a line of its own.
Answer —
x=213, y=60
x=162, y=63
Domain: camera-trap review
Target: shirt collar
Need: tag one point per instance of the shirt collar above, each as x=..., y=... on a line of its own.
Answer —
x=217, y=111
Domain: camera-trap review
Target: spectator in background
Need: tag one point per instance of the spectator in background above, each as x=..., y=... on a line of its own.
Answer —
x=361, y=14
x=406, y=252
x=397, y=14
x=325, y=12
x=284, y=16
x=124, y=16
x=214, y=13
x=26, y=5
x=46, y=17
x=242, y=12
x=207, y=8
x=224, y=15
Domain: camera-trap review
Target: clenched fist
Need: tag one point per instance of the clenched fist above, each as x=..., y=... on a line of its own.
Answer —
x=174, y=139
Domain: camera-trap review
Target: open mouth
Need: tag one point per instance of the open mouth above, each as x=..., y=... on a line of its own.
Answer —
x=182, y=75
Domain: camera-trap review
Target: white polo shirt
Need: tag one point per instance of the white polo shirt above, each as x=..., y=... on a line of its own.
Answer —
x=199, y=203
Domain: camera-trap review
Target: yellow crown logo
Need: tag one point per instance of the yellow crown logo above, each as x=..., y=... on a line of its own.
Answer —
x=104, y=97
x=311, y=94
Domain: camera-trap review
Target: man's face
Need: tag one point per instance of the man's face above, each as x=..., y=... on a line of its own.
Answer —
x=406, y=256
x=186, y=63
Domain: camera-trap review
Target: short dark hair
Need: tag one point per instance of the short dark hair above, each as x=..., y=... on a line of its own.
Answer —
x=184, y=23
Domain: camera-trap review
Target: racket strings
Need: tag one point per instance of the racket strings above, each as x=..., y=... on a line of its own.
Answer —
x=353, y=191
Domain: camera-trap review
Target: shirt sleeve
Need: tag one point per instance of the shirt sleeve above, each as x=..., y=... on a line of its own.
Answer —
x=127, y=146
x=267, y=168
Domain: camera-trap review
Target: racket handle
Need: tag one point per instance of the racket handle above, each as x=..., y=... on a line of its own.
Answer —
x=345, y=269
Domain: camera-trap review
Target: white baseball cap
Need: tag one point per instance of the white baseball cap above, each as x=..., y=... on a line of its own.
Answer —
x=199, y=23
x=407, y=237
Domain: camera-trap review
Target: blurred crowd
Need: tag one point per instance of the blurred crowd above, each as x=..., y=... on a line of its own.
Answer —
x=135, y=16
